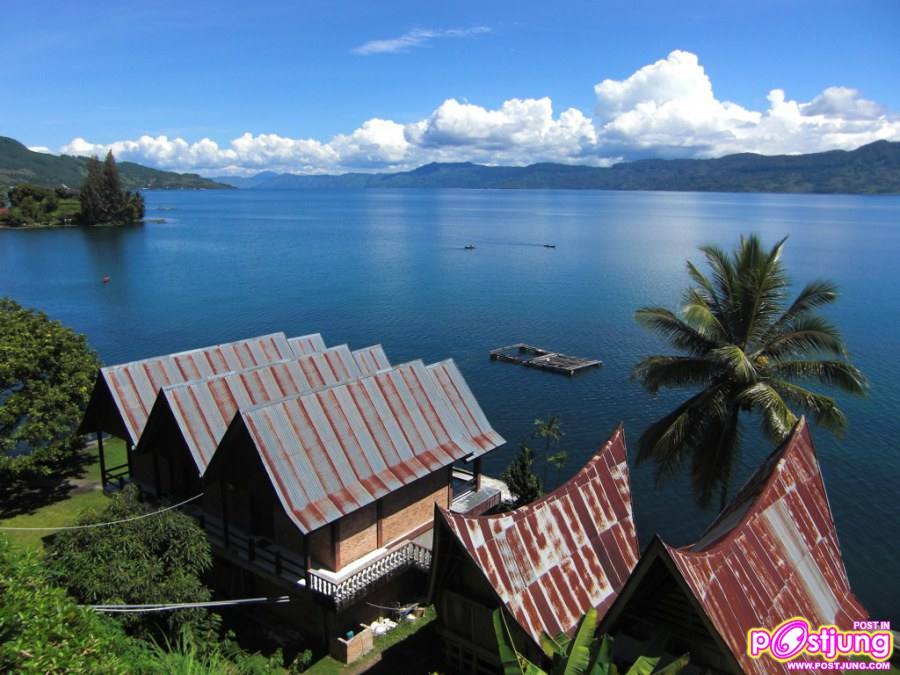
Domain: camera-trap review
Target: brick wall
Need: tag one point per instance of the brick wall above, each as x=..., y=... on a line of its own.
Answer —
x=413, y=505
x=358, y=534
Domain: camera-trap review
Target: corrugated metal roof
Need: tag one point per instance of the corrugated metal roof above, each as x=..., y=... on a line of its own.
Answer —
x=371, y=359
x=457, y=391
x=307, y=344
x=573, y=549
x=773, y=554
x=135, y=385
x=331, y=452
x=204, y=409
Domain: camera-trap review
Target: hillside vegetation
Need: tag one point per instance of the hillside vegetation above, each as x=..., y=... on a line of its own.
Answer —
x=871, y=169
x=18, y=165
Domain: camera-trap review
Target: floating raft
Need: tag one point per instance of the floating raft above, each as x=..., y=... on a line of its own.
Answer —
x=535, y=357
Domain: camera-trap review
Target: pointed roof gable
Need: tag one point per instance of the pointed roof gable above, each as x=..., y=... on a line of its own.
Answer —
x=331, y=452
x=772, y=554
x=203, y=409
x=573, y=549
x=133, y=386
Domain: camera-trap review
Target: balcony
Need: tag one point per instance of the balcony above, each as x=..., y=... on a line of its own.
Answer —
x=340, y=588
x=370, y=572
x=474, y=495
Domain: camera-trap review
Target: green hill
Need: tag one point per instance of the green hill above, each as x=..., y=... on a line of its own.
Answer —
x=18, y=164
x=871, y=169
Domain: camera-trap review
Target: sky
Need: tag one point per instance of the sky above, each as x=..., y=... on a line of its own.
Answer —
x=233, y=88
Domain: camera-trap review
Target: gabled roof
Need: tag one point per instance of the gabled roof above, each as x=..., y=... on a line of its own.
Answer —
x=203, y=409
x=573, y=549
x=771, y=555
x=331, y=452
x=371, y=359
x=307, y=344
x=134, y=386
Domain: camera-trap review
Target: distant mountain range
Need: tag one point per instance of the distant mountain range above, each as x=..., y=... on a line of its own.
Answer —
x=871, y=169
x=18, y=164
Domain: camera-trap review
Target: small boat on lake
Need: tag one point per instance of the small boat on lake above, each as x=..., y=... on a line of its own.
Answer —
x=469, y=247
x=549, y=245
x=106, y=279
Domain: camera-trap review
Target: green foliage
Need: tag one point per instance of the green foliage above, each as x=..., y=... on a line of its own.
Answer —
x=550, y=430
x=584, y=654
x=102, y=197
x=18, y=164
x=520, y=477
x=42, y=630
x=46, y=375
x=746, y=349
x=158, y=559
x=32, y=204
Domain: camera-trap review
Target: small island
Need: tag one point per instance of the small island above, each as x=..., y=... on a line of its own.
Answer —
x=100, y=201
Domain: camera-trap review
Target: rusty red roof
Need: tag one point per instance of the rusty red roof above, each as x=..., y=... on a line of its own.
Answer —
x=307, y=344
x=371, y=359
x=134, y=386
x=203, y=409
x=773, y=554
x=333, y=451
x=573, y=549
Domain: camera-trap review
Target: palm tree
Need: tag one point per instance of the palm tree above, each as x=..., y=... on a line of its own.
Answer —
x=550, y=430
x=747, y=350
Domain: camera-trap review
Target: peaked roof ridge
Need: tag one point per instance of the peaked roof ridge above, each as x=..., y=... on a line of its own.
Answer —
x=615, y=442
x=751, y=497
x=337, y=385
x=193, y=350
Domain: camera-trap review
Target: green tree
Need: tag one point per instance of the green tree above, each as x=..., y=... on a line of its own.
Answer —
x=102, y=198
x=747, y=350
x=550, y=430
x=46, y=375
x=520, y=477
x=158, y=559
x=42, y=630
x=582, y=654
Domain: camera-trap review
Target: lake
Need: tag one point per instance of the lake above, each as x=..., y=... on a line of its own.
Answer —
x=388, y=266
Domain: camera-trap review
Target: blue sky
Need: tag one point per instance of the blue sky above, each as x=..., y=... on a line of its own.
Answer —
x=297, y=75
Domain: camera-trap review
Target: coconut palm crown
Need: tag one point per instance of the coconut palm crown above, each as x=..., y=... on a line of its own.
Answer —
x=743, y=348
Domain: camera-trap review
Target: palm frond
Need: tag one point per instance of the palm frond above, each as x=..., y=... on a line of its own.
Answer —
x=701, y=316
x=804, y=335
x=778, y=419
x=840, y=374
x=670, y=440
x=763, y=283
x=668, y=326
x=737, y=362
x=655, y=372
x=724, y=277
x=713, y=455
x=823, y=409
x=815, y=294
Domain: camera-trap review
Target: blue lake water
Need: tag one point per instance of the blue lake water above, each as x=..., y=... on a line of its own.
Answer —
x=388, y=266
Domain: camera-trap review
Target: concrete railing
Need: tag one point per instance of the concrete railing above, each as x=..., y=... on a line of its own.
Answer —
x=373, y=574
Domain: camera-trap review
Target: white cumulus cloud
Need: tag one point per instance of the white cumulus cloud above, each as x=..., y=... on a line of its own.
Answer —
x=664, y=109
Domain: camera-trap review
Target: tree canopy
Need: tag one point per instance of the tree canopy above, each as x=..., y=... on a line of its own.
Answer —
x=102, y=198
x=46, y=375
x=158, y=559
x=743, y=348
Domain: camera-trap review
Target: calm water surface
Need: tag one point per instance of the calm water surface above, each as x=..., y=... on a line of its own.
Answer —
x=388, y=266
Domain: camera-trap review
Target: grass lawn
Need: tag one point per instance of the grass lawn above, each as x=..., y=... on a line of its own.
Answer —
x=66, y=511
x=383, y=643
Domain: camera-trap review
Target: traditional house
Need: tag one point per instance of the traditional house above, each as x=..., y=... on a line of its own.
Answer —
x=123, y=395
x=545, y=564
x=771, y=555
x=330, y=495
x=188, y=420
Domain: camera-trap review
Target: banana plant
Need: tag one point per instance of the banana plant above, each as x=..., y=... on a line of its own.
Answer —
x=583, y=654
